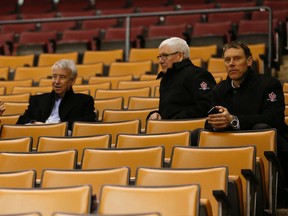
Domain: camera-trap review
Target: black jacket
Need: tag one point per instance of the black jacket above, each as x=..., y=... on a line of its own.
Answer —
x=259, y=99
x=184, y=91
x=73, y=107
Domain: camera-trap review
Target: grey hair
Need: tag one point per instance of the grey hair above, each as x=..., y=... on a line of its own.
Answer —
x=66, y=64
x=177, y=44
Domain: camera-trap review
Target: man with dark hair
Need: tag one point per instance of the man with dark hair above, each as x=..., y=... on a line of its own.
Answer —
x=247, y=100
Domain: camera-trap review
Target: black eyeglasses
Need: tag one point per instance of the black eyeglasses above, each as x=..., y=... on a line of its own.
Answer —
x=165, y=56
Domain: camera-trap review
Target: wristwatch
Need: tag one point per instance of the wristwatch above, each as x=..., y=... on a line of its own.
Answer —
x=234, y=123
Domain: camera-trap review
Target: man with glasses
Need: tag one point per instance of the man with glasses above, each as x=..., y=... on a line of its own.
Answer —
x=184, y=87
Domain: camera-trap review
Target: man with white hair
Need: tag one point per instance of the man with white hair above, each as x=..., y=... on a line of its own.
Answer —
x=62, y=104
x=184, y=87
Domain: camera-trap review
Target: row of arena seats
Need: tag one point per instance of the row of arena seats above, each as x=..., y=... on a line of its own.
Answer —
x=34, y=6
x=169, y=149
x=95, y=34
x=112, y=62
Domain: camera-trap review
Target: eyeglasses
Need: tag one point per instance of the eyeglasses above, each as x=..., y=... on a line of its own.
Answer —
x=165, y=56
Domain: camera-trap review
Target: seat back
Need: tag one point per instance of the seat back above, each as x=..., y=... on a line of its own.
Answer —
x=113, y=128
x=165, y=126
x=168, y=140
x=135, y=103
x=161, y=177
x=35, y=73
x=23, y=97
x=10, y=84
x=33, y=90
x=131, y=157
x=128, y=68
x=18, y=179
x=49, y=143
x=264, y=140
x=139, y=84
x=95, y=178
x=20, y=144
x=107, y=56
x=16, y=61
x=75, y=199
x=90, y=70
x=143, y=54
x=126, y=115
x=167, y=200
x=48, y=59
x=38, y=161
x=125, y=93
x=13, y=108
x=203, y=52
x=109, y=103
x=197, y=157
x=12, y=131
x=4, y=72
x=92, y=87
x=114, y=80
x=9, y=119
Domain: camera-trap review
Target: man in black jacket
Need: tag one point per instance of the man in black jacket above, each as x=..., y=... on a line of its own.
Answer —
x=247, y=100
x=184, y=87
x=62, y=104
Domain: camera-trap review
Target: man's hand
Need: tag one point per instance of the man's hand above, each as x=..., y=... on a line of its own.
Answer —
x=155, y=116
x=220, y=120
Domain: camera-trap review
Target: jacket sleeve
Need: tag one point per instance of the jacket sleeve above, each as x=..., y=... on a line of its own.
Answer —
x=200, y=88
x=273, y=109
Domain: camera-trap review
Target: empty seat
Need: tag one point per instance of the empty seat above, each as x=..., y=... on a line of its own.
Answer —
x=96, y=178
x=34, y=73
x=34, y=43
x=108, y=103
x=38, y=161
x=125, y=115
x=173, y=125
x=19, y=144
x=92, y=87
x=168, y=200
x=156, y=34
x=114, y=80
x=114, y=38
x=168, y=140
x=15, y=61
x=125, y=93
x=211, y=33
x=52, y=143
x=128, y=68
x=48, y=59
x=18, y=179
x=76, y=199
x=197, y=157
x=10, y=84
x=99, y=23
x=113, y=128
x=12, y=131
x=143, y=54
x=165, y=177
x=131, y=157
x=13, y=108
x=77, y=40
x=135, y=103
x=107, y=57
x=139, y=84
x=15, y=97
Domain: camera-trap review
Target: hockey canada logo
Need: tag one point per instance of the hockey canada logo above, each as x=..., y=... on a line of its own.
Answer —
x=204, y=86
x=272, y=97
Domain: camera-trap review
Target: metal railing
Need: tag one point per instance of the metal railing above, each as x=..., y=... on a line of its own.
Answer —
x=128, y=17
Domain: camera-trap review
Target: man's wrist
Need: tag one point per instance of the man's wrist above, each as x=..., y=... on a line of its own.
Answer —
x=235, y=123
